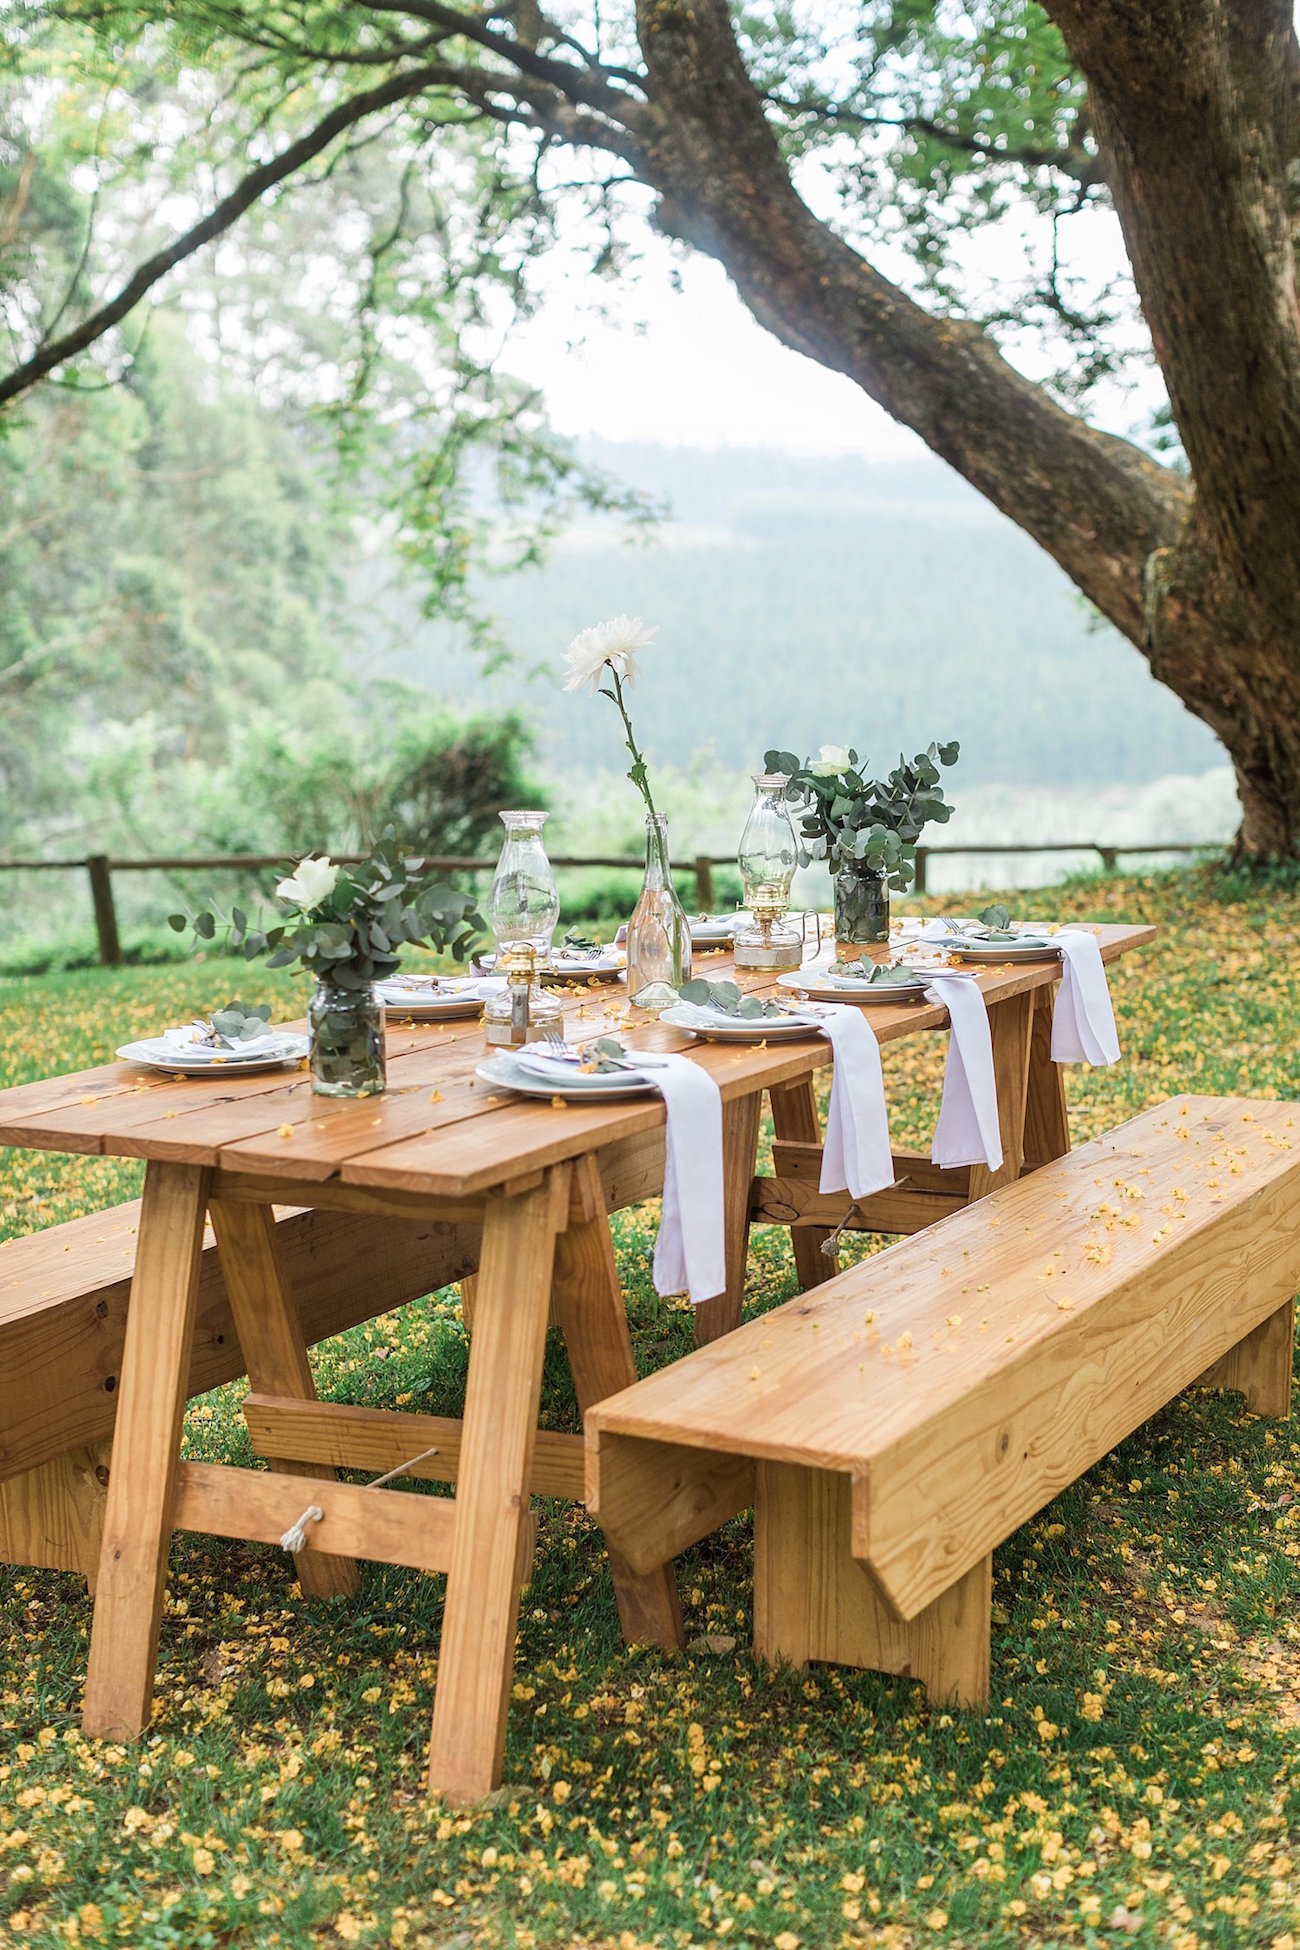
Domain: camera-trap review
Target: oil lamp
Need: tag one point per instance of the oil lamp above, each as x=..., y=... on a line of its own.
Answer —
x=523, y=908
x=767, y=861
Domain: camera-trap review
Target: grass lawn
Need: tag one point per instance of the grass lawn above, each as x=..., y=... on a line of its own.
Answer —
x=1137, y=1779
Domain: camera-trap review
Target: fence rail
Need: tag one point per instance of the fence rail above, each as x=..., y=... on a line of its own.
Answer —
x=99, y=868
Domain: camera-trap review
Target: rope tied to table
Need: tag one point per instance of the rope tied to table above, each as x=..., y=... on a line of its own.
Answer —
x=295, y=1538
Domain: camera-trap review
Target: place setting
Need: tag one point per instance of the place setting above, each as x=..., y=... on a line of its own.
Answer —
x=237, y=1040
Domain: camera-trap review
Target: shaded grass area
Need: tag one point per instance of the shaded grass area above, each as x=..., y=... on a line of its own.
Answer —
x=1134, y=1781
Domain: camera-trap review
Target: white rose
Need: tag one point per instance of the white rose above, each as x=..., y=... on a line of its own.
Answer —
x=613, y=643
x=830, y=760
x=312, y=882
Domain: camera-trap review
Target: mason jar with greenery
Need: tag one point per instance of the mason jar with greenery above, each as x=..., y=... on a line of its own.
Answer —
x=347, y=929
x=865, y=828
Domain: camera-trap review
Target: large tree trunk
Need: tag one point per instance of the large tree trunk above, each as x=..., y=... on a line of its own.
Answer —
x=1195, y=112
x=1202, y=579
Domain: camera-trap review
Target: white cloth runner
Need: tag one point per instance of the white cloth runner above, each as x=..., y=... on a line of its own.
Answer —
x=691, y=1250
x=856, y=1156
x=1083, y=1025
x=967, y=1132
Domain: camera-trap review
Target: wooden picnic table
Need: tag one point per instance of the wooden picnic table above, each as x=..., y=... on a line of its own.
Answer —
x=538, y=1180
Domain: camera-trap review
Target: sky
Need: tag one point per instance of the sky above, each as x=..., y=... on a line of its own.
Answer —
x=679, y=360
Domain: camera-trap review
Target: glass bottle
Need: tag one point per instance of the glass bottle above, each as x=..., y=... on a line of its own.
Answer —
x=659, y=934
x=346, y=1026
x=767, y=860
x=523, y=907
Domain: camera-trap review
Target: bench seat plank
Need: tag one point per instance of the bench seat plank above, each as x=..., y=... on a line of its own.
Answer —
x=964, y=1376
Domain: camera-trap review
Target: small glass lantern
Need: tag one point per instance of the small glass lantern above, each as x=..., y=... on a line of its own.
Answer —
x=767, y=860
x=522, y=910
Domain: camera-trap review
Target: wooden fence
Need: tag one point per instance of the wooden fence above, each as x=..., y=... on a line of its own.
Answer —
x=99, y=869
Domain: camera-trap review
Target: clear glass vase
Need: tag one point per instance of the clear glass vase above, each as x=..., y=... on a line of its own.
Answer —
x=659, y=934
x=861, y=908
x=347, y=1041
x=523, y=908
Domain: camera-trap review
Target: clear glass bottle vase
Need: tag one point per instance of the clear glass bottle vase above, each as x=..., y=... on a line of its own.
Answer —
x=659, y=934
x=346, y=1026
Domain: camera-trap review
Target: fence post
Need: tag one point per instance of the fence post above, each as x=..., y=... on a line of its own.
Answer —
x=703, y=884
x=919, y=880
x=101, y=893
x=1109, y=856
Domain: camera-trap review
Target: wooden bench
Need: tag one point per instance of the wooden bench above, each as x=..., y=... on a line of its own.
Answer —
x=63, y=1298
x=893, y=1426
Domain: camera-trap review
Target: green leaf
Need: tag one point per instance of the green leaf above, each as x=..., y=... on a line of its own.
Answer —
x=205, y=926
x=177, y=921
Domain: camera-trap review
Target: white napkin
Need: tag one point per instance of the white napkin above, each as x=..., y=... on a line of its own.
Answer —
x=187, y=1040
x=691, y=1250
x=856, y=1156
x=967, y=1132
x=1083, y=1026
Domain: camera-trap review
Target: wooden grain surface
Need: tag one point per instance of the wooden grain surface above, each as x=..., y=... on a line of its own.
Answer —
x=437, y=1130
x=966, y=1375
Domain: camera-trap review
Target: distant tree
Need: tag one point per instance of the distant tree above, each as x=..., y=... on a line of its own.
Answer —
x=912, y=121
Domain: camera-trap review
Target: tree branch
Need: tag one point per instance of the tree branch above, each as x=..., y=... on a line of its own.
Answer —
x=1098, y=504
x=218, y=220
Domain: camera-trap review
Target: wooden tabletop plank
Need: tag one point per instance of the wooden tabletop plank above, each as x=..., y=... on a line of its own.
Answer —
x=436, y=1127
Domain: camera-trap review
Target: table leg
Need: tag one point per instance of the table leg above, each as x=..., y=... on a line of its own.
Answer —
x=1011, y=1024
x=511, y=1301
x=1047, y=1125
x=587, y=1301
x=275, y=1354
x=146, y=1450
x=740, y=1119
x=794, y=1117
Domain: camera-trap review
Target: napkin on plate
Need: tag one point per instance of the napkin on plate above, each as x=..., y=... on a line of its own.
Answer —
x=1083, y=1025
x=187, y=1040
x=691, y=1250
x=967, y=1132
x=856, y=1154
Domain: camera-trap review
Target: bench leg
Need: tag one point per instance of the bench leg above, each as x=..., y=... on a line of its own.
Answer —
x=587, y=1301
x=493, y=1526
x=794, y=1118
x=146, y=1451
x=1259, y=1367
x=53, y=1516
x=275, y=1355
x=814, y=1600
x=1047, y=1123
x=1011, y=1026
x=740, y=1119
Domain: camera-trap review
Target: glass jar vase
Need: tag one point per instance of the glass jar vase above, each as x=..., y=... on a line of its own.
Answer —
x=861, y=908
x=346, y=1026
x=659, y=934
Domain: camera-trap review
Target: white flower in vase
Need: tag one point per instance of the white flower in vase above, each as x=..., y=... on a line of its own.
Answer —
x=613, y=644
x=312, y=881
x=831, y=760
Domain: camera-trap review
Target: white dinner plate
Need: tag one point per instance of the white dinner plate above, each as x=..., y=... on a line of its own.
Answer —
x=716, y=929
x=154, y=1055
x=422, y=1002
x=823, y=987
x=984, y=951
x=722, y=1028
x=507, y=1072
x=572, y=968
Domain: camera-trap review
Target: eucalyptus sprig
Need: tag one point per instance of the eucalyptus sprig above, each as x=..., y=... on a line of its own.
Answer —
x=877, y=975
x=350, y=923
x=847, y=816
x=729, y=999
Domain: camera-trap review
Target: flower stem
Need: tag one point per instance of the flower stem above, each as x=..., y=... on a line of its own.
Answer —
x=638, y=774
